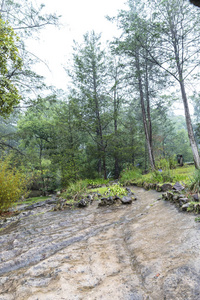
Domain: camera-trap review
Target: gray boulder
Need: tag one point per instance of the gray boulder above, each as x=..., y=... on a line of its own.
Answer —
x=126, y=200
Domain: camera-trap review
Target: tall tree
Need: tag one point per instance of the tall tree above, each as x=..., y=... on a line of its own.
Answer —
x=176, y=27
x=133, y=26
x=9, y=58
x=89, y=79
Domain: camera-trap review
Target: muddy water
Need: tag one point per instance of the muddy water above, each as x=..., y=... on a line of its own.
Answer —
x=147, y=250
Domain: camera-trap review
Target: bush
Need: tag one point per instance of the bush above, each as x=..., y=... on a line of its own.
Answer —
x=195, y=182
x=130, y=174
x=13, y=185
x=75, y=190
x=162, y=176
x=116, y=190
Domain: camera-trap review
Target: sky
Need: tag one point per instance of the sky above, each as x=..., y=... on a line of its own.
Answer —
x=54, y=45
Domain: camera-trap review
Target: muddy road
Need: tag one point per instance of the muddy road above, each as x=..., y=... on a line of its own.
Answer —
x=147, y=250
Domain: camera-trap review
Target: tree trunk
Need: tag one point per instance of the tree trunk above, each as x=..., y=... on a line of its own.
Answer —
x=151, y=159
x=189, y=127
x=116, y=166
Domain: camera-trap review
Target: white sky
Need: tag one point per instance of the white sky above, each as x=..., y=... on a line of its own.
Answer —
x=78, y=17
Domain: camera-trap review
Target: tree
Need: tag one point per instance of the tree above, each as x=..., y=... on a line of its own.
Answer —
x=9, y=57
x=26, y=18
x=89, y=80
x=133, y=26
x=177, y=30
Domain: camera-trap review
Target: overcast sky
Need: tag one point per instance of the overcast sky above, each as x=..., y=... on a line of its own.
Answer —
x=78, y=17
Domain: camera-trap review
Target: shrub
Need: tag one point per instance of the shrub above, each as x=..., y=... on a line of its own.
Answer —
x=162, y=176
x=13, y=184
x=195, y=182
x=130, y=174
x=75, y=190
x=116, y=190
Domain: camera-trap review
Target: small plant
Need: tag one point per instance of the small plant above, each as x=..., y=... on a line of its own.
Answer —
x=197, y=219
x=116, y=190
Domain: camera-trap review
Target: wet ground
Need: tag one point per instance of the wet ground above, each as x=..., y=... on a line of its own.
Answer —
x=147, y=250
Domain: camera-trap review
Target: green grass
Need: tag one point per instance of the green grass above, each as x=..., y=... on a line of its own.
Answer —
x=32, y=200
x=181, y=174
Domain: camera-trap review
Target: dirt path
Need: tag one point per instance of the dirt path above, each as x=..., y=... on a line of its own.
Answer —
x=144, y=251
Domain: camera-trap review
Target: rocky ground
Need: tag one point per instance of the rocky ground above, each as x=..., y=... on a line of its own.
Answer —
x=144, y=250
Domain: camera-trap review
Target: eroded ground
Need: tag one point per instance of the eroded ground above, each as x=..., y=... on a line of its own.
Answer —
x=147, y=250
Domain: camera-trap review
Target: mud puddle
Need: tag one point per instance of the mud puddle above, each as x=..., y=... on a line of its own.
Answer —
x=147, y=250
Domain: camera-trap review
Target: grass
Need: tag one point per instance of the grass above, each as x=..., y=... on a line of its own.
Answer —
x=32, y=200
x=182, y=174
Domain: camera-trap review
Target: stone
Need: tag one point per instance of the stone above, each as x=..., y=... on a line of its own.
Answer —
x=170, y=196
x=164, y=196
x=185, y=207
x=158, y=188
x=82, y=203
x=145, y=185
x=126, y=200
x=196, y=198
x=178, y=187
x=183, y=201
x=106, y=201
x=166, y=187
x=90, y=198
x=197, y=208
x=128, y=190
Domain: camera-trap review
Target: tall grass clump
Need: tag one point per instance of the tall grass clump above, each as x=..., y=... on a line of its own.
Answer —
x=129, y=175
x=76, y=189
x=195, y=182
x=13, y=185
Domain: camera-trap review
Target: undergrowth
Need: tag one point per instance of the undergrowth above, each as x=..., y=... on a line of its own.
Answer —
x=13, y=185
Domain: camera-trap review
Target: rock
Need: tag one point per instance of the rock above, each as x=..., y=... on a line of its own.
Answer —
x=152, y=186
x=185, y=207
x=170, y=196
x=128, y=190
x=166, y=187
x=196, y=198
x=158, y=188
x=178, y=187
x=197, y=208
x=106, y=201
x=145, y=185
x=82, y=203
x=126, y=200
x=175, y=198
x=90, y=198
x=183, y=201
x=165, y=196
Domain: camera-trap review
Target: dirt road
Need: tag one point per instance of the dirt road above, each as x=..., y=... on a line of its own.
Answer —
x=147, y=250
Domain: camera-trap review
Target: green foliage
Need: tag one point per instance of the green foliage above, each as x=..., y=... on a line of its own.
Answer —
x=195, y=182
x=162, y=176
x=166, y=164
x=32, y=200
x=13, y=184
x=98, y=181
x=116, y=189
x=130, y=174
x=9, y=57
x=75, y=190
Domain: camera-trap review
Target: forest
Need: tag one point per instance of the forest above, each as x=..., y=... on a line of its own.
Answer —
x=120, y=110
